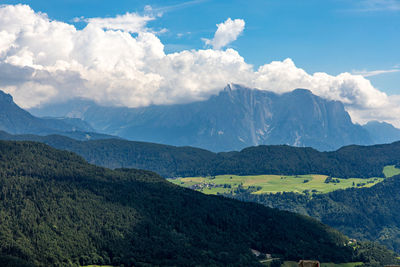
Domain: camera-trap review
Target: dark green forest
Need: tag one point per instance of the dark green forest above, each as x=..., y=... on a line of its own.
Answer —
x=170, y=161
x=56, y=209
x=362, y=213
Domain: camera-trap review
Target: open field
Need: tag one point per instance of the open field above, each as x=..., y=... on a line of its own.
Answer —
x=390, y=171
x=350, y=264
x=263, y=184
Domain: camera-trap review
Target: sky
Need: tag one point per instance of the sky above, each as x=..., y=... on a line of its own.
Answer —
x=138, y=53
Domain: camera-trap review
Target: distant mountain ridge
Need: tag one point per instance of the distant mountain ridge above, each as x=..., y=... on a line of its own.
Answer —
x=382, y=132
x=14, y=119
x=236, y=118
x=171, y=161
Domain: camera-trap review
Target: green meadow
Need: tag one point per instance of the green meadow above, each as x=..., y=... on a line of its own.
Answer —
x=351, y=264
x=390, y=171
x=265, y=184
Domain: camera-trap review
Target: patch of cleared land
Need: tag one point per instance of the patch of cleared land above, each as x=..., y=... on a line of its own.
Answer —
x=264, y=184
x=350, y=264
x=390, y=171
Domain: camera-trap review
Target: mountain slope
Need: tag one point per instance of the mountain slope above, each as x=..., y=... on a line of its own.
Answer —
x=236, y=118
x=57, y=209
x=382, y=132
x=170, y=161
x=15, y=120
x=365, y=213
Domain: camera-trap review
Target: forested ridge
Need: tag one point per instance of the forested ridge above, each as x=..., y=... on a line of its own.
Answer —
x=57, y=209
x=362, y=213
x=171, y=161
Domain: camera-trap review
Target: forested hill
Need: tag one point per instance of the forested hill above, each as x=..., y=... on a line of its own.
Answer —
x=56, y=209
x=171, y=161
x=364, y=213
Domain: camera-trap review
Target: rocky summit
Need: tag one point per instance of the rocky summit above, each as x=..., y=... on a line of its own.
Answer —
x=236, y=118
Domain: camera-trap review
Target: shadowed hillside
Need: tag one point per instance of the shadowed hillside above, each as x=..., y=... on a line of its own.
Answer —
x=362, y=213
x=57, y=209
x=171, y=161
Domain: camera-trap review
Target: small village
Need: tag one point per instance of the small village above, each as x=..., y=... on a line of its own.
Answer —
x=202, y=186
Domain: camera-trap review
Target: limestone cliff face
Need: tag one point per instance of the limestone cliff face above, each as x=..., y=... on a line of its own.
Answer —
x=303, y=119
x=237, y=117
x=297, y=118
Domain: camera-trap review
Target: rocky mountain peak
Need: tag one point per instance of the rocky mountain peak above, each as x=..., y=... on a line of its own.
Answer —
x=236, y=118
x=5, y=98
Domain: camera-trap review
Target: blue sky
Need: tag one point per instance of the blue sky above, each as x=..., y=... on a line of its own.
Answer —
x=331, y=36
x=140, y=53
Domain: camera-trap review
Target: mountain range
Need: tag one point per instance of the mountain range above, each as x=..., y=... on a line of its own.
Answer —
x=170, y=161
x=382, y=132
x=236, y=118
x=38, y=174
x=16, y=120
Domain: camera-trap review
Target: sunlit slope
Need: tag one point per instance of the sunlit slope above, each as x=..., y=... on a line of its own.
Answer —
x=264, y=184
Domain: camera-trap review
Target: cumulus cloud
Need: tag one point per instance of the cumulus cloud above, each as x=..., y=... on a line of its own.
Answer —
x=43, y=61
x=226, y=33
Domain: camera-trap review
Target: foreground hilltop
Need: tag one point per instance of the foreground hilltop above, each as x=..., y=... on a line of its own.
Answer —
x=58, y=209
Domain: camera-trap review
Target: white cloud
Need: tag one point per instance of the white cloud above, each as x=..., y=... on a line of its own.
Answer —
x=352, y=90
x=78, y=19
x=43, y=60
x=371, y=73
x=130, y=22
x=379, y=5
x=164, y=9
x=226, y=33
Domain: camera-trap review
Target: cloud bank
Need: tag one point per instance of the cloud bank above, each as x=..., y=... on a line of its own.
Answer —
x=44, y=61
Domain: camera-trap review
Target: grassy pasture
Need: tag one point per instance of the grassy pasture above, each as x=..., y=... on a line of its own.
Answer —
x=390, y=171
x=263, y=184
x=350, y=264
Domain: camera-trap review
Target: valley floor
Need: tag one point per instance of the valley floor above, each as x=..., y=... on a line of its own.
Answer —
x=350, y=264
x=266, y=184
